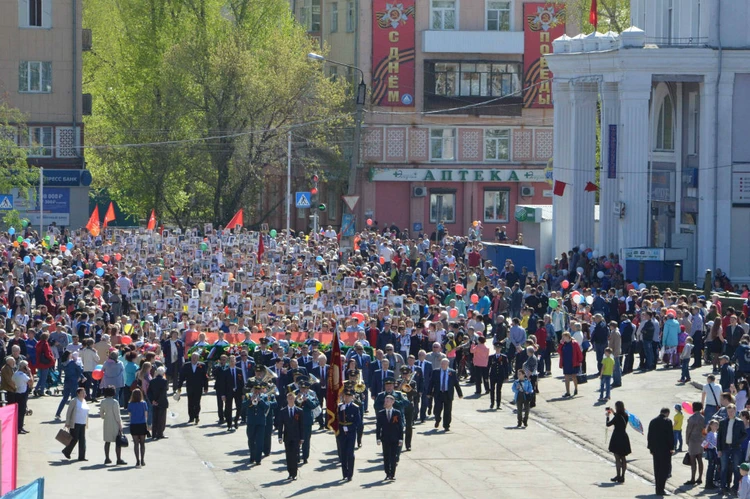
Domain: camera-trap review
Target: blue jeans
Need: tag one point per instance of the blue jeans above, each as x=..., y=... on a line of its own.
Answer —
x=599, y=349
x=709, y=411
x=617, y=375
x=730, y=463
x=685, y=369
x=69, y=392
x=604, y=384
x=42, y=383
x=648, y=351
x=677, y=439
x=711, y=470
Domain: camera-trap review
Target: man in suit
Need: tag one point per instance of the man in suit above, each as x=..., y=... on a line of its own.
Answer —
x=256, y=414
x=195, y=376
x=386, y=336
x=219, y=386
x=321, y=388
x=389, y=431
x=349, y=420
x=444, y=382
x=426, y=389
x=661, y=445
x=377, y=384
x=246, y=365
x=174, y=355
x=305, y=359
x=729, y=440
x=309, y=404
x=353, y=375
x=234, y=385
x=291, y=433
x=157, y=394
x=499, y=370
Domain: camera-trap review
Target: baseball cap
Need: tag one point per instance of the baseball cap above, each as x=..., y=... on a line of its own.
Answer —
x=745, y=466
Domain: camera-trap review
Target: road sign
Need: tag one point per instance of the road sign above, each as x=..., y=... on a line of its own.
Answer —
x=351, y=201
x=347, y=225
x=302, y=200
x=6, y=202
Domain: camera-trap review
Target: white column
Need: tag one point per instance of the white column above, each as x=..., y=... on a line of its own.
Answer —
x=707, y=178
x=560, y=166
x=582, y=162
x=608, y=187
x=724, y=176
x=632, y=159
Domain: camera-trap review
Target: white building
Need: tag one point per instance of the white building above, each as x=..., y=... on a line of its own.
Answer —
x=674, y=91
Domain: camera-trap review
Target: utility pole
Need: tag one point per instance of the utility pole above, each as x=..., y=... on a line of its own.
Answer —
x=288, y=182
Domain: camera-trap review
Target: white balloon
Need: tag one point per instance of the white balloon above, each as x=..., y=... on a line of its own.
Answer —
x=600, y=274
x=579, y=270
x=641, y=286
x=55, y=261
x=595, y=254
x=589, y=299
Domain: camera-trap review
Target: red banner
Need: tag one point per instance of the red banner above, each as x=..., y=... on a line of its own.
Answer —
x=393, y=42
x=236, y=338
x=335, y=385
x=543, y=22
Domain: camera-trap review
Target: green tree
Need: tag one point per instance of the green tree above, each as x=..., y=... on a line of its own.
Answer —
x=612, y=15
x=17, y=174
x=216, y=85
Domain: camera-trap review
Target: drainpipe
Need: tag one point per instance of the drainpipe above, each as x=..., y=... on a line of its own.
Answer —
x=716, y=132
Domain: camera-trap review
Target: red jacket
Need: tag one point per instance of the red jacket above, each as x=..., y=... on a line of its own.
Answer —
x=44, y=357
x=577, y=354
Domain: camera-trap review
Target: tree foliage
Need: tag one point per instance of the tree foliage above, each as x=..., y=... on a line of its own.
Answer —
x=612, y=15
x=213, y=86
x=16, y=173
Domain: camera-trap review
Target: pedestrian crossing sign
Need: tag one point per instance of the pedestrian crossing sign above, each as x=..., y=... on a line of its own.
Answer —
x=6, y=202
x=302, y=200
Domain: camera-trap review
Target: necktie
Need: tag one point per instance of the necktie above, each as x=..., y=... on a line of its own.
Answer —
x=445, y=381
x=291, y=413
x=389, y=414
x=234, y=379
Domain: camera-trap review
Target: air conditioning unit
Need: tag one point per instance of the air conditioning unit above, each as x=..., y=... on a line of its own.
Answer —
x=419, y=192
x=527, y=191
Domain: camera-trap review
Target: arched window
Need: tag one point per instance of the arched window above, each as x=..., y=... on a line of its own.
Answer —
x=665, y=126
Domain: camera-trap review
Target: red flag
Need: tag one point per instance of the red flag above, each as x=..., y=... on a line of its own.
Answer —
x=236, y=220
x=261, y=249
x=593, y=18
x=559, y=188
x=110, y=215
x=335, y=385
x=93, y=225
x=590, y=187
x=151, y=221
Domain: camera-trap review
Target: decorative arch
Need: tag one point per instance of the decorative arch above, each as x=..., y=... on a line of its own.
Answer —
x=664, y=118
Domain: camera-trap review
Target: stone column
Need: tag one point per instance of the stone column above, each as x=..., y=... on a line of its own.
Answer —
x=723, y=174
x=608, y=187
x=582, y=162
x=707, y=215
x=632, y=170
x=561, y=228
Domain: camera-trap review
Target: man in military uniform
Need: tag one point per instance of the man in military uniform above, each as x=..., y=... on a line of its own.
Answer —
x=309, y=404
x=349, y=421
x=256, y=412
x=412, y=399
x=269, y=391
x=358, y=400
x=401, y=401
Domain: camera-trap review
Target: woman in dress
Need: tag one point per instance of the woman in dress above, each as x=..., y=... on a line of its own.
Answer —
x=138, y=416
x=715, y=341
x=619, y=444
x=142, y=379
x=570, y=361
x=109, y=411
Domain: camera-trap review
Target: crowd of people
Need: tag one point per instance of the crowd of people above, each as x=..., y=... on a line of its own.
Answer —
x=130, y=318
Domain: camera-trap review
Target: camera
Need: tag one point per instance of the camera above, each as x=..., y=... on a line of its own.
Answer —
x=608, y=409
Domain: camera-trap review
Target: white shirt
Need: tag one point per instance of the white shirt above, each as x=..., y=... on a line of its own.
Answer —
x=730, y=425
x=82, y=412
x=21, y=381
x=716, y=388
x=173, y=350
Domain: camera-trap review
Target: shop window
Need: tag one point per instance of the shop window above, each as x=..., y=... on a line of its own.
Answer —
x=496, y=206
x=443, y=207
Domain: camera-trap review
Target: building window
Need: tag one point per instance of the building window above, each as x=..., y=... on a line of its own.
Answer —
x=442, y=144
x=35, y=76
x=310, y=15
x=498, y=16
x=443, y=208
x=38, y=141
x=497, y=144
x=34, y=13
x=454, y=79
x=496, y=206
x=665, y=126
x=349, y=17
x=333, y=71
x=692, y=135
x=334, y=17
x=444, y=14
x=333, y=204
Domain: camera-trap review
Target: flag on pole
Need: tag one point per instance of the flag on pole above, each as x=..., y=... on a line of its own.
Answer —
x=559, y=188
x=335, y=385
x=236, y=220
x=261, y=249
x=152, y=221
x=93, y=225
x=593, y=18
x=8, y=447
x=110, y=215
x=590, y=187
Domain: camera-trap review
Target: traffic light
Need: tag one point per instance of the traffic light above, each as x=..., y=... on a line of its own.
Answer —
x=321, y=207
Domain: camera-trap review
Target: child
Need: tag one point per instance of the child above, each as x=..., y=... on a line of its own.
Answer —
x=685, y=356
x=523, y=392
x=677, y=427
x=608, y=368
x=744, y=492
x=709, y=444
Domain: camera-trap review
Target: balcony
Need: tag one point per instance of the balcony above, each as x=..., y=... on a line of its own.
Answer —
x=472, y=42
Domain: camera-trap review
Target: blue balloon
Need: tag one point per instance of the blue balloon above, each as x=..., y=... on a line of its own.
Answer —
x=384, y=290
x=590, y=254
x=79, y=273
x=38, y=259
x=11, y=231
x=635, y=284
x=100, y=271
x=69, y=246
x=27, y=259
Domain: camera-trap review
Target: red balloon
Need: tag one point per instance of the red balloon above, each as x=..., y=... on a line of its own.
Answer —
x=87, y=272
x=359, y=316
x=369, y=221
x=460, y=289
x=99, y=265
x=607, y=264
x=97, y=292
x=382, y=260
x=118, y=257
x=98, y=374
x=630, y=286
x=105, y=258
x=453, y=313
x=126, y=340
x=475, y=298
x=565, y=284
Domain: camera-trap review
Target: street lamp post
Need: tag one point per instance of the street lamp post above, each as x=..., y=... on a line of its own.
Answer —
x=360, y=102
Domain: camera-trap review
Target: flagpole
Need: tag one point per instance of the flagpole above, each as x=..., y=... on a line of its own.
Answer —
x=288, y=183
x=41, y=203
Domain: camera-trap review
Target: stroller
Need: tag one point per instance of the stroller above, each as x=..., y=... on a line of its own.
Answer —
x=54, y=383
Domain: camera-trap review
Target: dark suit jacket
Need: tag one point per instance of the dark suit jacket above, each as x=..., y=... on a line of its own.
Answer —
x=249, y=368
x=499, y=368
x=228, y=382
x=195, y=381
x=738, y=435
x=452, y=384
x=389, y=430
x=417, y=345
x=306, y=363
x=426, y=378
x=157, y=392
x=290, y=428
x=660, y=436
x=376, y=383
x=218, y=374
x=317, y=371
x=166, y=348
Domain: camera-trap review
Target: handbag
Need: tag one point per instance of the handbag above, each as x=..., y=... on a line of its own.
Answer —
x=686, y=459
x=64, y=437
x=121, y=440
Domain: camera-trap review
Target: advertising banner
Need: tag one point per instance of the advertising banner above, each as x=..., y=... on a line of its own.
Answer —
x=543, y=22
x=393, y=42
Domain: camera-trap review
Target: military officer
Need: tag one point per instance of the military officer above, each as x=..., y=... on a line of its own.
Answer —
x=349, y=421
x=256, y=412
x=358, y=400
x=269, y=392
x=412, y=399
x=390, y=384
x=309, y=405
